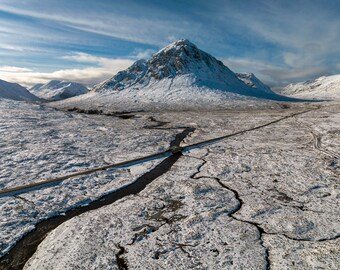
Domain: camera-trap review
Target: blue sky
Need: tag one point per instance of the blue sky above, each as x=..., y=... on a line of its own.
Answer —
x=89, y=41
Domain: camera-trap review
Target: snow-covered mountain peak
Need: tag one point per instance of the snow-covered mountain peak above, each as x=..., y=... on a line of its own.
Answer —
x=182, y=57
x=57, y=90
x=178, y=76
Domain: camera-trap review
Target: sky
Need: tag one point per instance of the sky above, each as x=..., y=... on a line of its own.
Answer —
x=87, y=41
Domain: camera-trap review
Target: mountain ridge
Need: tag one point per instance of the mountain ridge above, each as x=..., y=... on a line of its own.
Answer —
x=58, y=90
x=17, y=92
x=324, y=87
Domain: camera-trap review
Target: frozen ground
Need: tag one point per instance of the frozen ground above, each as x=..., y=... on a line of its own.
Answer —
x=265, y=198
x=39, y=143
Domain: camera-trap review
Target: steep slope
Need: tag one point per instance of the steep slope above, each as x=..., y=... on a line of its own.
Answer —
x=16, y=92
x=179, y=76
x=251, y=80
x=58, y=90
x=326, y=87
x=36, y=87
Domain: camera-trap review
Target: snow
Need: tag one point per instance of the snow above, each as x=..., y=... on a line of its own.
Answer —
x=264, y=198
x=40, y=143
x=203, y=213
x=178, y=77
x=58, y=90
x=15, y=91
x=251, y=80
x=324, y=88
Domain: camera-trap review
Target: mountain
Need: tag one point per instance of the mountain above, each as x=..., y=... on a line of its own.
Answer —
x=36, y=87
x=180, y=64
x=179, y=76
x=251, y=80
x=58, y=90
x=326, y=87
x=16, y=92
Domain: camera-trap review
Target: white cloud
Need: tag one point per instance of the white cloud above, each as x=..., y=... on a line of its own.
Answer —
x=141, y=29
x=142, y=54
x=104, y=68
x=11, y=47
x=13, y=69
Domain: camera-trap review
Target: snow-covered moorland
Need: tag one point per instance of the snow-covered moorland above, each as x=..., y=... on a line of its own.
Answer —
x=39, y=143
x=267, y=197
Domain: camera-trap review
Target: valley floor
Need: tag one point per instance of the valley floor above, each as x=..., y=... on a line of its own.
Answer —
x=265, y=198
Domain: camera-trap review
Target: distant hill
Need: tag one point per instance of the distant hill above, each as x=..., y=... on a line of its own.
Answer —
x=58, y=90
x=326, y=87
x=16, y=92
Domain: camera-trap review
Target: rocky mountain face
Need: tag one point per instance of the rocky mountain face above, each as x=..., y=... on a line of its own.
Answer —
x=16, y=92
x=58, y=90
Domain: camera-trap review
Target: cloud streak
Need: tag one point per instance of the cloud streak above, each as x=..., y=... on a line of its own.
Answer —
x=89, y=76
x=277, y=40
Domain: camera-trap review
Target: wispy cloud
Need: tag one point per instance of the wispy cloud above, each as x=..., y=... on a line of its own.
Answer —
x=278, y=40
x=142, y=54
x=153, y=30
x=11, y=69
x=102, y=68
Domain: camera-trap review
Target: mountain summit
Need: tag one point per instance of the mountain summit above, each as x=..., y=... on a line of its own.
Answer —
x=185, y=65
x=179, y=76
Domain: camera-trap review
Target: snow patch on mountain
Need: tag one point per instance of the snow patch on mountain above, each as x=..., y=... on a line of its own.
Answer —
x=325, y=87
x=58, y=90
x=15, y=91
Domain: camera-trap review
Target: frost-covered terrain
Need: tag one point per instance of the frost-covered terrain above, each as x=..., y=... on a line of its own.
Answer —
x=178, y=77
x=267, y=197
x=58, y=90
x=326, y=87
x=39, y=143
x=15, y=91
